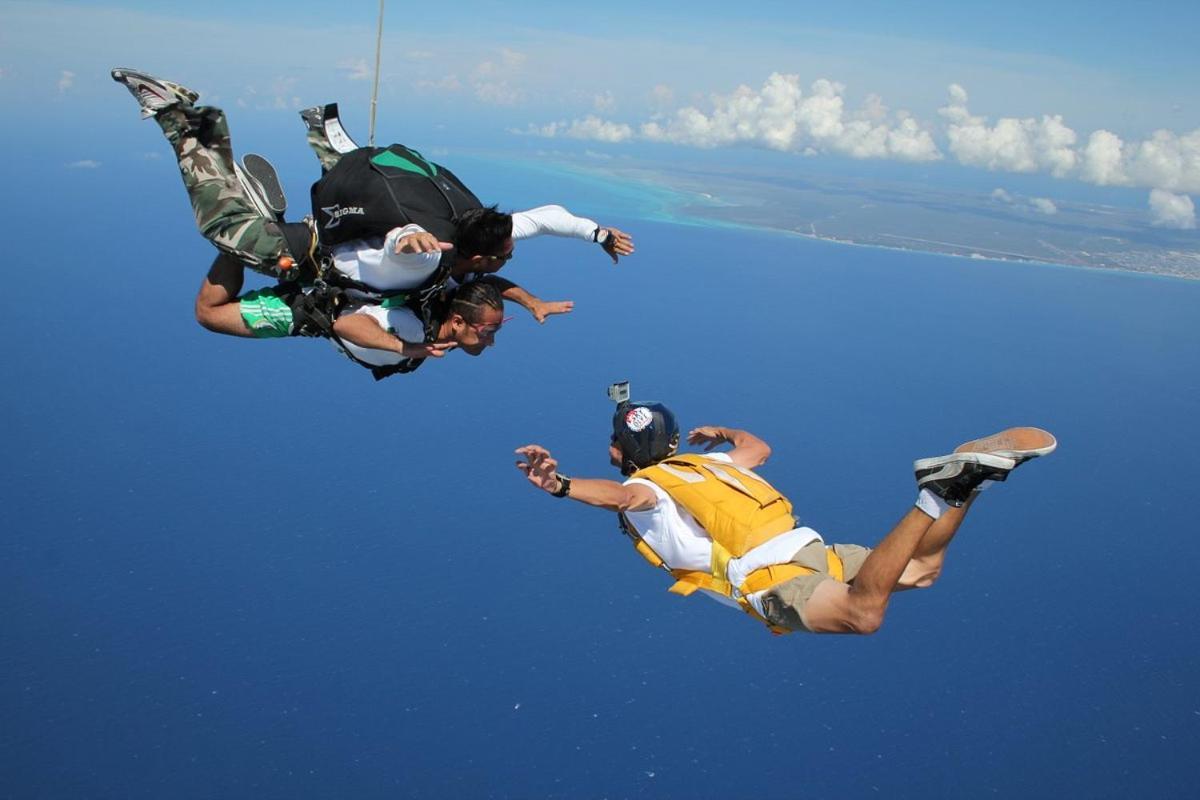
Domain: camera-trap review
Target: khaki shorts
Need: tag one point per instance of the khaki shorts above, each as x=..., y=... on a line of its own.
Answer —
x=784, y=604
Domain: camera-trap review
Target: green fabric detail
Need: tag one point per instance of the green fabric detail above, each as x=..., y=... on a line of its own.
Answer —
x=395, y=301
x=265, y=314
x=389, y=159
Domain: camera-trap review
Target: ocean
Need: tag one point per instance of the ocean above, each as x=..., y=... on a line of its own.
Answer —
x=243, y=569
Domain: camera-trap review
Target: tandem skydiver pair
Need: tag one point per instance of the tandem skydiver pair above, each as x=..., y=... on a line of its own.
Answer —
x=395, y=265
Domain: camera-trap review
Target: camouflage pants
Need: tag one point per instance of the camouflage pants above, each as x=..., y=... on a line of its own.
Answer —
x=225, y=216
x=326, y=154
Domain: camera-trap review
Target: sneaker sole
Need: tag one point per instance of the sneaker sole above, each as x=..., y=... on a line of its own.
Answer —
x=1020, y=444
x=999, y=462
x=267, y=179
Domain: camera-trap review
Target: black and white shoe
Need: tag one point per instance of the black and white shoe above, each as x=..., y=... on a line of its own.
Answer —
x=314, y=118
x=324, y=120
x=955, y=476
x=264, y=182
x=153, y=94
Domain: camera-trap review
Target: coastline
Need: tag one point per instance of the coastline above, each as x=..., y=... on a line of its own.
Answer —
x=658, y=199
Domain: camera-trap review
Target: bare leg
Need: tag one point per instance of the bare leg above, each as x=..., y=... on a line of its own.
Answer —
x=837, y=607
x=926, y=564
x=217, y=306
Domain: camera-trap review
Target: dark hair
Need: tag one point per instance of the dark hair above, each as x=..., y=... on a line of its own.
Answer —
x=469, y=300
x=482, y=232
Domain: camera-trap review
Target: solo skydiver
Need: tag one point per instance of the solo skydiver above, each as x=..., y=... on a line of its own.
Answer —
x=239, y=211
x=718, y=527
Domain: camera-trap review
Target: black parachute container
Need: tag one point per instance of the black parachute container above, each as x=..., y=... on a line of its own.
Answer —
x=372, y=190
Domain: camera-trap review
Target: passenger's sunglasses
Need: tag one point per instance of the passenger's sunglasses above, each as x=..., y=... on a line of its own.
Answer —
x=488, y=330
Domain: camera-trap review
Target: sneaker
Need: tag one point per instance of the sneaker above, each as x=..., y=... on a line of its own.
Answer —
x=955, y=476
x=264, y=182
x=153, y=94
x=1019, y=444
x=314, y=118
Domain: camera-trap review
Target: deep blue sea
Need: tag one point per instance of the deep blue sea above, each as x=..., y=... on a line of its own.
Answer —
x=233, y=569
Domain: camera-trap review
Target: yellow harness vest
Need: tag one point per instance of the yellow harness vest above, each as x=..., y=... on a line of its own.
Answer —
x=739, y=511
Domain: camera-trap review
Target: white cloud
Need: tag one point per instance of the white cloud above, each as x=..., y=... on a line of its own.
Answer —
x=1044, y=205
x=66, y=80
x=1102, y=161
x=781, y=116
x=1166, y=161
x=1170, y=210
x=496, y=81
x=1001, y=195
x=86, y=163
x=590, y=127
x=1011, y=145
x=604, y=102
x=450, y=83
x=662, y=97
x=355, y=69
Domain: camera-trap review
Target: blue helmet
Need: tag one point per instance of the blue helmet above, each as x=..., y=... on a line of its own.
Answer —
x=645, y=433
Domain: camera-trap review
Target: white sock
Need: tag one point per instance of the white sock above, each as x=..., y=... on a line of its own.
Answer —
x=931, y=504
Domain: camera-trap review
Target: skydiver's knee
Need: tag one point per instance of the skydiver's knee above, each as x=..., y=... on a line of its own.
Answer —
x=866, y=620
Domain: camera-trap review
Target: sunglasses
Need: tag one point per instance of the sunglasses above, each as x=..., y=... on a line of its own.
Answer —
x=488, y=330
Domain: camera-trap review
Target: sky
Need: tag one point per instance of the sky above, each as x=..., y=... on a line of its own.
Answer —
x=178, y=624
x=1098, y=94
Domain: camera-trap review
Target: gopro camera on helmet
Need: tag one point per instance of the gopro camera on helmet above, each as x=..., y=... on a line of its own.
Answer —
x=619, y=392
x=644, y=432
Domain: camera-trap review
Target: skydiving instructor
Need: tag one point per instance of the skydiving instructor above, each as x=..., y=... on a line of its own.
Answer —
x=722, y=530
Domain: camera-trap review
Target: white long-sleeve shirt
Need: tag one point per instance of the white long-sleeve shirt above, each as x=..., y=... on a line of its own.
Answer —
x=376, y=263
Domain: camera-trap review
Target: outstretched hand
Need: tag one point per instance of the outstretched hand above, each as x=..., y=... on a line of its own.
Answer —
x=618, y=243
x=427, y=349
x=422, y=242
x=708, y=435
x=539, y=467
x=543, y=309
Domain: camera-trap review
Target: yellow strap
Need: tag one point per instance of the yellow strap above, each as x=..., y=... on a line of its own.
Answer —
x=646, y=552
x=775, y=574
x=719, y=562
x=836, y=568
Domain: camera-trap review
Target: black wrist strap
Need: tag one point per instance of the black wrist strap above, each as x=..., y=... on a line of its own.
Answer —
x=564, y=486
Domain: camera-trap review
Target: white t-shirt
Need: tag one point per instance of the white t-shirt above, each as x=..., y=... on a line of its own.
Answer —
x=400, y=322
x=376, y=263
x=678, y=539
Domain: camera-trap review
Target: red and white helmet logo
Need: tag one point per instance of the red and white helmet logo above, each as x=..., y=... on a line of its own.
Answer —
x=638, y=419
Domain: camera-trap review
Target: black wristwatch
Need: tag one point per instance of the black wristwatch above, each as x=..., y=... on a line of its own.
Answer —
x=564, y=486
x=600, y=236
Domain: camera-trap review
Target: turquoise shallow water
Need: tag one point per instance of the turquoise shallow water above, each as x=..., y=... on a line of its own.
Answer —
x=237, y=568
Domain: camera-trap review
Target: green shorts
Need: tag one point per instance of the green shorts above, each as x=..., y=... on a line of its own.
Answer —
x=784, y=604
x=266, y=313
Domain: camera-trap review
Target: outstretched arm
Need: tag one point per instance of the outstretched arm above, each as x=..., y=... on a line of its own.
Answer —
x=541, y=469
x=366, y=331
x=557, y=221
x=540, y=309
x=748, y=451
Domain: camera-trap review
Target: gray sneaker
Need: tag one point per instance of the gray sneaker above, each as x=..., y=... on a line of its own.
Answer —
x=264, y=181
x=153, y=94
x=955, y=476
